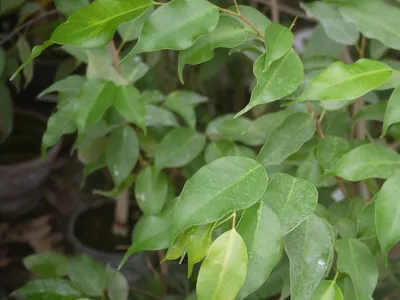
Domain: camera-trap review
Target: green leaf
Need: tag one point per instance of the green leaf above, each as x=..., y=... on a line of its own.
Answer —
x=287, y=139
x=392, y=114
x=257, y=18
x=24, y=51
x=281, y=79
x=198, y=244
x=337, y=123
x=346, y=286
x=367, y=161
x=128, y=102
x=261, y=231
x=335, y=26
x=176, y=25
x=159, y=117
x=229, y=33
x=122, y=153
x=152, y=96
x=6, y=113
x=88, y=275
x=327, y=290
x=151, y=190
x=244, y=151
x=346, y=228
x=130, y=31
x=117, y=285
x=292, y=199
x=355, y=259
x=321, y=45
x=178, y=148
x=387, y=212
x=377, y=49
x=242, y=130
x=218, y=149
x=221, y=187
x=47, y=264
x=372, y=112
x=68, y=7
x=134, y=69
x=49, y=289
x=70, y=85
x=342, y=82
x=224, y=270
x=310, y=249
x=330, y=150
x=278, y=41
x=375, y=19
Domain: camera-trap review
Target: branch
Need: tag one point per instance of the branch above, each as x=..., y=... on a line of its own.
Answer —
x=317, y=120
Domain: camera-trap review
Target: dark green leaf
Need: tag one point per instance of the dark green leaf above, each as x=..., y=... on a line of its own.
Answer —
x=278, y=41
x=392, y=114
x=24, y=51
x=47, y=264
x=330, y=150
x=92, y=151
x=49, y=289
x=117, y=285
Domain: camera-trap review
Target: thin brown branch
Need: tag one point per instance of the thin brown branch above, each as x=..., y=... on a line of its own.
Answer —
x=237, y=6
x=362, y=47
x=317, y=121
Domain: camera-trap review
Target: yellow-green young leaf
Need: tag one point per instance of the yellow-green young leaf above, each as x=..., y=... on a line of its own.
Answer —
x=130, y=31
x=347, y=82
x=227, y=184
x=330, y=150
x=292, y=199
x=355, y=259
x=261, y=231
x=178, y=148
x=159, y=117
x=52, y=288
x=47, y=264
x=327, y=290
x=281, y=79
x=387, y=214
x=122, y=153
x=92, y=26
x=224, y=270
x=70, y=85
x=117, y=285
x=151, y=190
x=310, y=250
x=179, y=248
x=229, y=33
x=278, y=41
x=392, y=114
x=375, y=19
x=176, y=25
x=198, y=243
x=68, y=7
x=334, y=25
x=128, y=102
x=287, y=139
x=367, y=161
x=24, y=51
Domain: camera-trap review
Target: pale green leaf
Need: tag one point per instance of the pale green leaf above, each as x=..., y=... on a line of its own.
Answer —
x=68, y=7
x=392, y=114
x=198, y=244
x=330, y=150
x=159, y=117
x=217, y=149
x=367, y=161
x=335, y=26
x=281, y=79
x=278, y=41
x=176, y=25
x=182, y=107
x=151, y=190
x=47, y=264
x=347, y=82
x=310, y=249
x=178, y=148
x=224, y=270
x=346, y=286
x=70, y=85
x=387, y=212
x=355, y=259
x=292, y=199
x=117, y=285
x=57, y=289
x=244, y=151
x=229, y=33
x=327, y=290
x=152, y=96
x=221, y=187
x=130, y=31
x=287, y=139
x=122, y=153
x=261, y=231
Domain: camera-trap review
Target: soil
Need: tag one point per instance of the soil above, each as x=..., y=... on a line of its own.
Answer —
x=93, y=228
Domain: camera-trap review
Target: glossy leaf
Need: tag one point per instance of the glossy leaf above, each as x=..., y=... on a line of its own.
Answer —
x=198, y=244
x=68, y=7
x=224, y=269
x=221, y=187
x=151, y=190
x=367, y=161
x=292, y=199
x=51, y=288
x=387, y=212
x=88, y=275
x=330, y=150
x=392, y=114
x=334, y=25
x=159, y=117
x=278, y=41
x=281, y=79
x=117, y=285
x=288, y=138
x=129, y=104
x=122, y=153
x=355, y=259
x=347, y=82
x=229, y=33
x=70, y=85
x=178, y=148
x=327, y=290
x=176, y=25
x=309, y=248
x=47, y=264
x=261, y=231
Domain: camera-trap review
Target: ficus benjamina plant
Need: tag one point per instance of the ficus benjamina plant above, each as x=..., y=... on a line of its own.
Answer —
x=302, y=201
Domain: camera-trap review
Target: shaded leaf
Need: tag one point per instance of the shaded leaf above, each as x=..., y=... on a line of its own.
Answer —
x=257, y=18
x=392, y=114
x=184, y=108
x=117, y=285
x=24, y=51
x=278, y=41
x=330, y=150
x=47, y=264
x=159, y=117
x=217, y=149
x=327, y=290
x=46, y=289
x=68, y=7
x=70, y=85
x=130, y=31
x=372, y=112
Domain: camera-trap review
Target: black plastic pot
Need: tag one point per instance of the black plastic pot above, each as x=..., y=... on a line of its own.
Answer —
x=135, y=269
x=22, y=169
